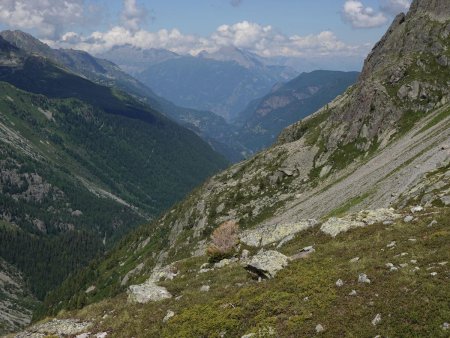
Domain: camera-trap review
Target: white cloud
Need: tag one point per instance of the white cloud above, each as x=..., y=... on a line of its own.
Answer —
x=133, y=16
x=48, y=17
x=259, y=39
x=360, y=16
x=393, y=7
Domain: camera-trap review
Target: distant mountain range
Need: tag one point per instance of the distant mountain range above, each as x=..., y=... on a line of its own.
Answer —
x=235, y=139
x=213, y=81
x=222, y=82
x=211, y=127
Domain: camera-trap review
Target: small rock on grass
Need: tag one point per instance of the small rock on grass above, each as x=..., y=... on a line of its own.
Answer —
x=417, y=208
x=339, y=283
x=205, y=288
x=376, y=320
x=319, y=328
x=392, y=244
x=362, y=278
x=353, y=293
x=249, y=335
x=408, y=218
x=169, y=315
x=433, y=222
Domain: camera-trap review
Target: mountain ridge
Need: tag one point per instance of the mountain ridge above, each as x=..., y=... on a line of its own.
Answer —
x=212, y=128
x=265, y=118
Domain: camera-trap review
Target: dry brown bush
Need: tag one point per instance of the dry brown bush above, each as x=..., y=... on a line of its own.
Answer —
x=223, y=240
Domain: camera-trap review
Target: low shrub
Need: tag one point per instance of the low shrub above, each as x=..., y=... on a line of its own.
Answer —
x=224, y=240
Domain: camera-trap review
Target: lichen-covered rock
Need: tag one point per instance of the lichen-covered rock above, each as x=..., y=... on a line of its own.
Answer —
x=205, y=288
x=147, y=292
x=225, y=262
x=335, y=226
x=60, y=327
x=273, y=233
x=362, y=278
x=169, y=315
x=266, y=264
x=166, y=272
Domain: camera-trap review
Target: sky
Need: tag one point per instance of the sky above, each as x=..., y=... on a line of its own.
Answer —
x=334, y=30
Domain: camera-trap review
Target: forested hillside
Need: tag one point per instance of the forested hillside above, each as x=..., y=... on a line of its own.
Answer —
x=80, y=166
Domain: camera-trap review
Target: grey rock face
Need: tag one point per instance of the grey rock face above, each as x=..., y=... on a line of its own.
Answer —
x=410, y=91
x=266, y=264
x=438, y=9
x=14, y=297
x=271, y=234
x=60, y=327
x=150, y=291
x=147, y=292
x=335, y=226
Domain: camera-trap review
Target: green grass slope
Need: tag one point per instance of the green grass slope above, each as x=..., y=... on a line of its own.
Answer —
x=412, y=301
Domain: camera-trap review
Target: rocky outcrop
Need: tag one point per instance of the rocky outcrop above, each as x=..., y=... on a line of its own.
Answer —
x=437, y=9
x=335, y=226
x=270, y=234
x=266, y=264
x=147, y=292
x=150, y=291
x=15, y=299
x=59, y=327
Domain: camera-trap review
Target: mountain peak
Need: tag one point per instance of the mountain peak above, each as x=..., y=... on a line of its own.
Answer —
x=26, y=42
x=232, y=53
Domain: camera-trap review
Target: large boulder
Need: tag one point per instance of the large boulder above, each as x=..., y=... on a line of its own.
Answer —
x=150, y=291
x=266, y=264
x=147, y=292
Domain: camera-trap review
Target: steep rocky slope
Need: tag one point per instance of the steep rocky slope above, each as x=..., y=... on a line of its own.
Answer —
x=16, y=301
x=355, y=199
